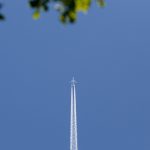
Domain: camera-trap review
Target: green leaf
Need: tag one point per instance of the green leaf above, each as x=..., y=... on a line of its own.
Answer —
x=2, y=17
x=36, y=15
x=34, y=3
x=72, y=16
x=83, y=5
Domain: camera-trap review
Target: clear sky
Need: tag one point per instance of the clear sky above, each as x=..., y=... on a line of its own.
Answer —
x=108, y=52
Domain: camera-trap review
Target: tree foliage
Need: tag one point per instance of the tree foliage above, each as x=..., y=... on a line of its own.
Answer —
x=1, y=15
x=67, y=9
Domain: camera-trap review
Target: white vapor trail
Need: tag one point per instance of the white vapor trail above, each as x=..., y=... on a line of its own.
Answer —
x=73, y=120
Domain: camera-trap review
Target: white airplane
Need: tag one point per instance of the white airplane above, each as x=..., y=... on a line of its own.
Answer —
x=73, y=81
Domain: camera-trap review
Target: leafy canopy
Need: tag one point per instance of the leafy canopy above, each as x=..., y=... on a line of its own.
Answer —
x=67, y=9
x=1, y=15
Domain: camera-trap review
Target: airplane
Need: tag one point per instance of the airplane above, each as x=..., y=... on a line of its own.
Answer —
x=73, y=81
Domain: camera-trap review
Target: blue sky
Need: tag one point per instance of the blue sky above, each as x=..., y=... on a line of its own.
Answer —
x=108, y=52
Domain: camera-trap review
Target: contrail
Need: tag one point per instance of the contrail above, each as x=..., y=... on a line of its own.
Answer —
x=73, y=119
